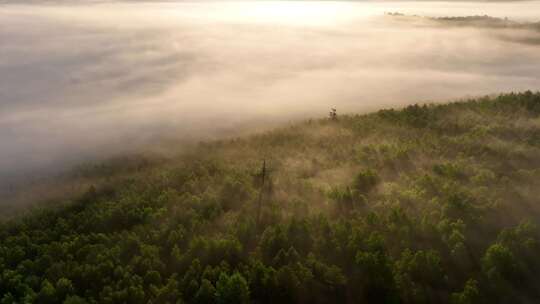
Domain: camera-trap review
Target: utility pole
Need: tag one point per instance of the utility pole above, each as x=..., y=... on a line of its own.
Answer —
x=333, y=114
x=263, y=178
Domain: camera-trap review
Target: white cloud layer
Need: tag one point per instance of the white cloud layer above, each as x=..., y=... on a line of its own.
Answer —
x=88, y=79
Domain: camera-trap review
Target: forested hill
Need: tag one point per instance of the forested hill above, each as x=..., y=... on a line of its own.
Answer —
x=481, y=21
x=426, y=204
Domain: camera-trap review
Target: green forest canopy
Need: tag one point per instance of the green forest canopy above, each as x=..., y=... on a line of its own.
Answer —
x=426, y=204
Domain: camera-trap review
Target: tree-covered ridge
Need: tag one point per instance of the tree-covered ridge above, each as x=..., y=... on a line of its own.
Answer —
x=485, y=21
x=426, y=204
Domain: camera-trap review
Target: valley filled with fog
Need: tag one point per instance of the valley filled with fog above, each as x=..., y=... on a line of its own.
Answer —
x=79, y=81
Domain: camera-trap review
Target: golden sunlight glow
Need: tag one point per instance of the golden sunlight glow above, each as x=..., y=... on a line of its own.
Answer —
x=275, y=13
x=314, y=13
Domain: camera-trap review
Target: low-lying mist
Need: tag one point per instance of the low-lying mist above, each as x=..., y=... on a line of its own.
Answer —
x=91, y=80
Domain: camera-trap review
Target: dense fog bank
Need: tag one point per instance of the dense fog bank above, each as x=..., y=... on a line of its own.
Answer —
x=80, y=81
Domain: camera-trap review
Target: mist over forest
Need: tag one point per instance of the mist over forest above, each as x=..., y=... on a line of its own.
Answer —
x=216, y=152
x=100, y=79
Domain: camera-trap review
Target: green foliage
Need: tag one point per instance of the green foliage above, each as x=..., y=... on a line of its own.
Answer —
x=428, y=204
x=469, y=295
x=414, y=115
x=365, y=181
x=419, y=275
x=232, y=289
x=75, y=300
x=47, y=294
x=206, y=294
x=64, y=288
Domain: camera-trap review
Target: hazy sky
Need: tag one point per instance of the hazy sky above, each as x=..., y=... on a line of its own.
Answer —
x=83, y=80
